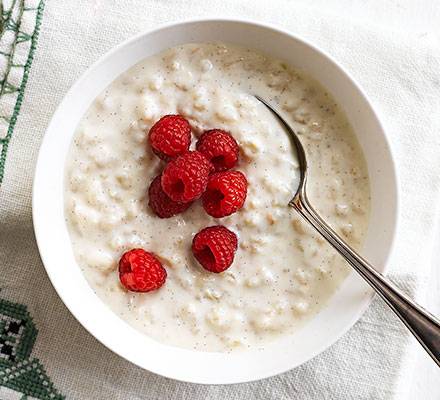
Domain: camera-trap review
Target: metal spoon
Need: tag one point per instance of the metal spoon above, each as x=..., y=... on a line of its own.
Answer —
x=423, y=325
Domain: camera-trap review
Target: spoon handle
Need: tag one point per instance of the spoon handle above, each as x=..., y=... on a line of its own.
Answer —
x=423, y=325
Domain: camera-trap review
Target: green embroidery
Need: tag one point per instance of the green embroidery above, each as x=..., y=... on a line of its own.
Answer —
x=18, y=370
x=12, y=23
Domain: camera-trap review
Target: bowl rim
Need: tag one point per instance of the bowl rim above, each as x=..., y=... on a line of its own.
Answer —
x=103, y=59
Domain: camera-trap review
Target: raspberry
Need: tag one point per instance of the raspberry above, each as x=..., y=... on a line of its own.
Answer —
x=214, y=248
x=170, y=137
x=140, y=271
x=161, y=204
x=185, y=178
x=220, y=148
x=225, y=194
x=163, y=156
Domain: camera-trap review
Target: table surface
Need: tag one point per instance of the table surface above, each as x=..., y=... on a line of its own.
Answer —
x=420, y=19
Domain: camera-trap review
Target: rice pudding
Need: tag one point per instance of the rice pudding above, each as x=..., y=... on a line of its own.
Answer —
x=283, y=272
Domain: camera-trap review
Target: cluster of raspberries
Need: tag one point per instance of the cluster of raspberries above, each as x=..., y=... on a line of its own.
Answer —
x=204, y=173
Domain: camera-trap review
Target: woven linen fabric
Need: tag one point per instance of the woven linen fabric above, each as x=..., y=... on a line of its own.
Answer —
x=401, y=76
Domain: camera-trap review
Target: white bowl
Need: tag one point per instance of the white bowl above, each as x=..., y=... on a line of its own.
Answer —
x=195, y=366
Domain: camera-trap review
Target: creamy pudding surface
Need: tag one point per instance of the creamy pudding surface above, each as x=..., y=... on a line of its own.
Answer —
x=283, y=273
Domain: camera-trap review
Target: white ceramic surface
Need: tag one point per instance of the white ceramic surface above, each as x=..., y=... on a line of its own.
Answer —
x=203, y=367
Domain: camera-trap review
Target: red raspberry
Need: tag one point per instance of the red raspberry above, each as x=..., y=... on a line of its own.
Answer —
x=214, y=248
x=161, y=204
x=220, y=148
x=185, y=178
x=225, y=194
x=140, y=271
x=170, y=137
